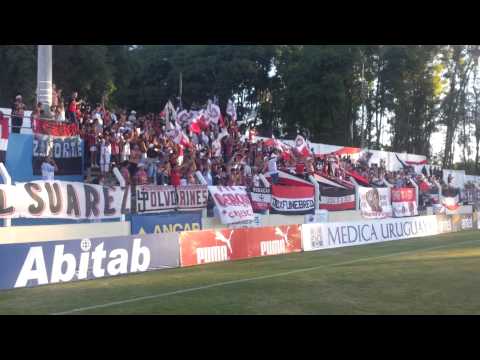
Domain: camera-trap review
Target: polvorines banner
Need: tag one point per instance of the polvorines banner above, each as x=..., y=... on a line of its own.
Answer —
x=298, y=200
x=404, y=202
x=337, y=199
x=233, y=203
x=375, y=202
x=63, y=200
x=66, y=151
x=201, y=247
x=155, y=198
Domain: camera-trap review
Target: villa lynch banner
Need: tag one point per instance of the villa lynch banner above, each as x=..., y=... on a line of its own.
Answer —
x=66, y=151
x=63, y=200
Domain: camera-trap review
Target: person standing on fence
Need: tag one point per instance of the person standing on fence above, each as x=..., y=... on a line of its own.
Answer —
x=105, y=155
x=18, y=111
x=272, y=167
x=72, y=108
x=48, y=169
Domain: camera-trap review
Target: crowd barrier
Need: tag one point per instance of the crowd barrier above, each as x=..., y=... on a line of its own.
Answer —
x=49, y=262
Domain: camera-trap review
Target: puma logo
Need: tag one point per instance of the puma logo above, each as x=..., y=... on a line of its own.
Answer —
x=220, y=237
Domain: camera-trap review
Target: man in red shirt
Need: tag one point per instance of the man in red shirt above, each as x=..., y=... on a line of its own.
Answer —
x=73, y=108
x=175, y=176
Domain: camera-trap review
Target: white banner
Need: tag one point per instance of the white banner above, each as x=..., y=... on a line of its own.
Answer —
x=375, y=202
x=233, y=203
x=159, y=198
x=63, y=200
x=404, y=202
x=334, y=235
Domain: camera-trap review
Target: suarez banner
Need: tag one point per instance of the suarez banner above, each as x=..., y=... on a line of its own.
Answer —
x=63, y=200
x=54, y=128
x=404, y=202
x=233, y=203
x=298, y=200
x=375, y=202
x=337, y=199
x=66, y=151
x=201, y=247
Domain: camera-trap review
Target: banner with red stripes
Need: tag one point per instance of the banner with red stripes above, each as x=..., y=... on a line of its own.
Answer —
x=292, y=200
x=55, y=128
x=404, y=202
x=337, y=199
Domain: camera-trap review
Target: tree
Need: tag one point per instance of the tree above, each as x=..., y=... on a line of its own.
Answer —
x=18, y=73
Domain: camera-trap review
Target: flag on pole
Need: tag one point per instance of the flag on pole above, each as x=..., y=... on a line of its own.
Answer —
x=4, y=134
x=213, y=112
x=231, y=110
x=199, y=122
x=302, y=147
x=182, y=139
x=169, y=112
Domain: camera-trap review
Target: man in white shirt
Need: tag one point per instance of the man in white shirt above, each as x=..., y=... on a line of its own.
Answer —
x=48, y=169
x=272, y=167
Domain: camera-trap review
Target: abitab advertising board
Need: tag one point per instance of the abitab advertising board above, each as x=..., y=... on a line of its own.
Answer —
x=34, y=264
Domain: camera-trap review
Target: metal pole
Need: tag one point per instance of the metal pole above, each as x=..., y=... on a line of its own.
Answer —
x=44, y=77
x=180, y=87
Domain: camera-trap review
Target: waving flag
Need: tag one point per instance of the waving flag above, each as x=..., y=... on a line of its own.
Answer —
x=4, y=133
x=169, y=112
x=182, y=117
x=362, y=180
x=302, y=147
x=213, y=112
x=231, y=110
x=199, y=122
x=182, y=139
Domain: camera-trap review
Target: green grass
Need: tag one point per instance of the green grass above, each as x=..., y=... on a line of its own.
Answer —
x=434, y=275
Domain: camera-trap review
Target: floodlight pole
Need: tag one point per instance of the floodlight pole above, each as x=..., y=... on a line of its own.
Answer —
x=44, y=78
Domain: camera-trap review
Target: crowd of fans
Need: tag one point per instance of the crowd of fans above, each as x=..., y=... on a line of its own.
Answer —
x=146, y=150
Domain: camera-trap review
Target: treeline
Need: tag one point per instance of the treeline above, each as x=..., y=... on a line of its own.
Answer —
x=390, y=97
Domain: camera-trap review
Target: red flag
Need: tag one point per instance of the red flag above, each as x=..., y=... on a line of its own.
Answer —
x=4, y=133
x=199, y=123
x=302, y=147
x=423, y=162
x=357, y=177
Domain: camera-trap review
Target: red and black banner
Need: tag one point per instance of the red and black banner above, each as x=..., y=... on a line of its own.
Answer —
x=66, y=151
x=261, y=198
x=293, y=200
x=55, y=128
x=337, y=199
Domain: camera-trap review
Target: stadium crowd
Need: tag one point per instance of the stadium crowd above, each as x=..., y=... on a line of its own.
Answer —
x=167, y=149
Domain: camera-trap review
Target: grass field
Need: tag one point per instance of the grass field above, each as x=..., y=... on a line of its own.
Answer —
x=434, y=275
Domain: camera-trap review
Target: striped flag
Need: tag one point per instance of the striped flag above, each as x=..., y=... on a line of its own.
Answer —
x=231, y=110
x=4, y=133
x=302, y=147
